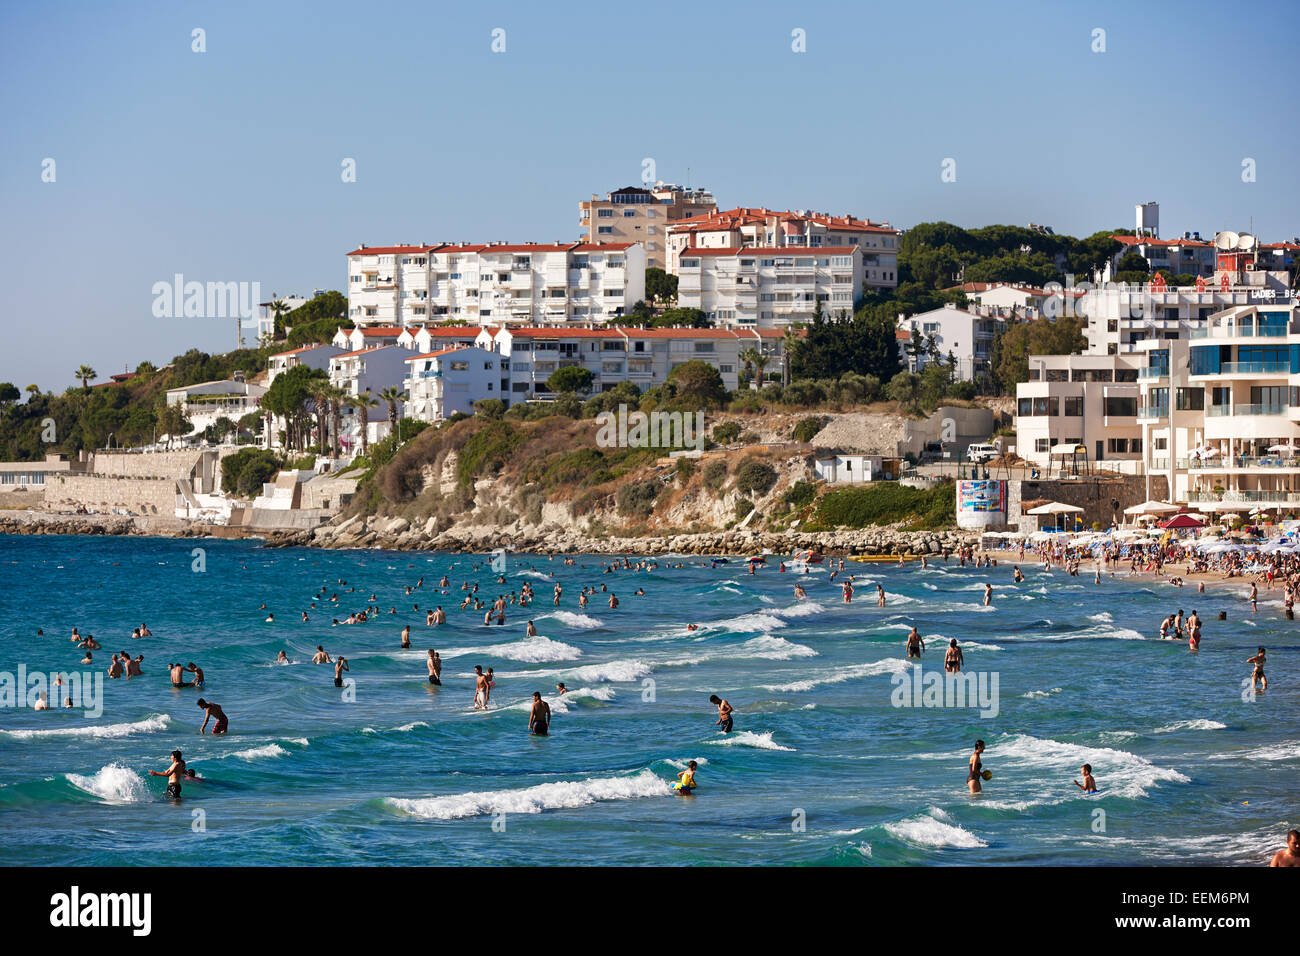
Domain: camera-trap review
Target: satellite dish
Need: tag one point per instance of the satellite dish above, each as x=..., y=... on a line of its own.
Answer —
x=1246, y=242
x=1226, y=241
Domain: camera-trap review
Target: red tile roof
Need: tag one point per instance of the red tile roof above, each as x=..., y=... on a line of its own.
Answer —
x=775, y=251
x=1148, y=240
x=388, y=250
x=428, y=355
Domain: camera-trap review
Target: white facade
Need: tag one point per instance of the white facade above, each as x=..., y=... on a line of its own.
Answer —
x=205, y=402
x=644, y=357
x=766, y=288
x=964, y=336
x=1221, y=411
x=848, y=469
x=312, y=356
x=368, y=370
x=1090, y=400
x=746, y=227
x=450, y=380
x=496, y=283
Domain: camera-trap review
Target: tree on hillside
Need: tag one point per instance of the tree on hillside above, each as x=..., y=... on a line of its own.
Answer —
x=289, y=397
x=392, y=395
x=756, y=360
x=1016, y=341
x=905, y=388
x=363, y=403
x=86, y=374
x=865, y=344
x=9, y=394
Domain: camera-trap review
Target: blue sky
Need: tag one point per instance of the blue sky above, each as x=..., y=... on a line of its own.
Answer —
x=225, y=165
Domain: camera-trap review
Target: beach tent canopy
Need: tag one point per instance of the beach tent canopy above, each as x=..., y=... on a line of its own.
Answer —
x=1183, y=521
x=1069, y=449
x=1053, y=508
x=1151, y=508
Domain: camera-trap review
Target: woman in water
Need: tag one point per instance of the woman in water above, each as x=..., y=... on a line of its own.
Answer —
x=953, y=661
x=976, y=768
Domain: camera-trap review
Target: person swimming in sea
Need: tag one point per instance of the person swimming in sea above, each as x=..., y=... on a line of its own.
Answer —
x=799, y=593
x=1089, y=784
x=320, y=657
x=539, y=717
x=197, y=671
x=174, y=774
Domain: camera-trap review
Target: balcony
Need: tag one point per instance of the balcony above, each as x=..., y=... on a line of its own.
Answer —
x=1250, y=368
x=1238, y=332
x=1151, y=412
x=1252, y=495
x=1154, y=371
x=1219, y=463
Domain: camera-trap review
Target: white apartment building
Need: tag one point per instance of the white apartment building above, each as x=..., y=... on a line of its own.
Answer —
x=266, y=315
x=1089, y=400
x=450, y=380
x=370, y=370
x=1221, y=412
x=769, y=287
x=634, y=214
x=494, y=283
x=205, y=402
x=313, y=356
x=644, y=357
x=965, y=337
x=746, y=227
x=418, y=338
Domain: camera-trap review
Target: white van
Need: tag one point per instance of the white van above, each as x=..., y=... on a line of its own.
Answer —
x=981, y=452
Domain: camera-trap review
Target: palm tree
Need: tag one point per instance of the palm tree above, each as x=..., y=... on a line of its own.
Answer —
x=337, y=397
x=320, y=401
x=759, y=361
x=364, y=402
x=392, y=395
x=86, y=374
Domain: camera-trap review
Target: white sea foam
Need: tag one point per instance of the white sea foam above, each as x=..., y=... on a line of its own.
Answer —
x=258, y=753
x=802, y=609
x=757, y=621
x=1118, y=772
x=532, y=650
x=570, y=619
x=934, y=828
x=1039, y=694
x=559, y=703
x=566, y=794
x=892, y=665
x=534, y=574
x=151, y=724
x=745, y=738
x=1102, y=618
x=113, y=784
x=1198, y=724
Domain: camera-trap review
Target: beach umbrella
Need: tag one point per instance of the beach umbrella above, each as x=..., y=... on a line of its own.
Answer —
x=1151, y=508
x=1183, y=521
x=1053, y=508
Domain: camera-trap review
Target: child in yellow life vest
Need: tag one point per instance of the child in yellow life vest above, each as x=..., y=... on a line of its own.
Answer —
x=686, y=779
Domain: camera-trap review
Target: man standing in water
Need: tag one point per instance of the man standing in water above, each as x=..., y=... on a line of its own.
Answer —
x=340, y=665
x=915, y=646
x=406, y=637
x=724, y=713
x=539, y=718
x=480, y=688
x=212, y=711
x=435, y=668
x=174, y=773
x=1257, y=675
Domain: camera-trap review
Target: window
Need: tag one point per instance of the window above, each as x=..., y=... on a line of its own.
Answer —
x=1117, y=446
x=1042, y=445
x=605, y=213
x=1074, y=407
x=1122, y=407
x=604, y=230
x=1190, y=399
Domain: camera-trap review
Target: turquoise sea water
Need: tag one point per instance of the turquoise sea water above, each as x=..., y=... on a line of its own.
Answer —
x=820, y=769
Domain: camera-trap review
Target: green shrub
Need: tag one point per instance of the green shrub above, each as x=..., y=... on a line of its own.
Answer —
x=685, y=468
x=714, y=474
x=749, y=438
x=887, y=502
x=808, y=427
x=800, y=494
x=743, y=507
x=490, y=408
x=486, y=451
x=726, y=432
x=247, y=469
x=637, y=499
x=754, y=477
